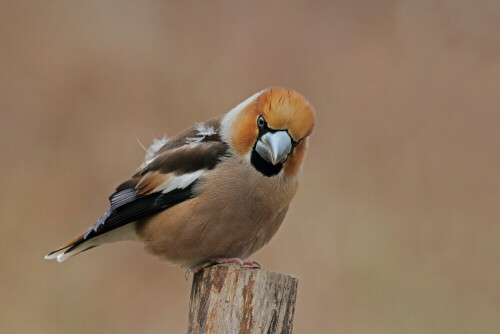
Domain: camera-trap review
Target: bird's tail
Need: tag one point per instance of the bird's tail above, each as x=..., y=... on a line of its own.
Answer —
x=72, y=248
x=81, y=243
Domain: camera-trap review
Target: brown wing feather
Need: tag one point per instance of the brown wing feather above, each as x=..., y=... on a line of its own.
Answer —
x=150, y=181
x=182, y=138
x=130, y=183
x=179, y=157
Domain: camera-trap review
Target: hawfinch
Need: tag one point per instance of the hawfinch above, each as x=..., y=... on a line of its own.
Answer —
x=216, y=192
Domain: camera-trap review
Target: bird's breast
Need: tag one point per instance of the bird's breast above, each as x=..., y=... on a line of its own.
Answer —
x=236, y=211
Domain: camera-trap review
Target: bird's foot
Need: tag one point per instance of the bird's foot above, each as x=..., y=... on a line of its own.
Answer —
x=197, y=268
x=244, y=263
x=220, y=260
x=251, y=264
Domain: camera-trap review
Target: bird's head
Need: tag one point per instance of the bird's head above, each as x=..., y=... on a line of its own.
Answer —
x=270, y=131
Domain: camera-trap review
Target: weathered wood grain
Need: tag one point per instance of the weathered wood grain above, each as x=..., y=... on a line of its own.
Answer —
x=230, y=299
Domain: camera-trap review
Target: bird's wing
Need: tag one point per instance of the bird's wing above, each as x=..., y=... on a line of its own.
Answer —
x=163, y=181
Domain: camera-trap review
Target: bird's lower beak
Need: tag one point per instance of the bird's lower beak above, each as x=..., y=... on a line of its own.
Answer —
x=274, y=147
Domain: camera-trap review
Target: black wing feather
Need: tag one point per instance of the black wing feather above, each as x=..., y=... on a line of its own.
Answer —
x=127, y=207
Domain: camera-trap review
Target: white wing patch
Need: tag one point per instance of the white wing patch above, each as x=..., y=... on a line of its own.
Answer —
x=203, y=131
x=180, y=181
x=155, y=147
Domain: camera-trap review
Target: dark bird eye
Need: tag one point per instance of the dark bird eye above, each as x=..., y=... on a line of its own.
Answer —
x=261, y=122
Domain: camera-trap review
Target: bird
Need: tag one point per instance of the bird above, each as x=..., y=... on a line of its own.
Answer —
x=215, y=193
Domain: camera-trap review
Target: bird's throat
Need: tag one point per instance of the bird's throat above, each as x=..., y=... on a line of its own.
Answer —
x=264, y=167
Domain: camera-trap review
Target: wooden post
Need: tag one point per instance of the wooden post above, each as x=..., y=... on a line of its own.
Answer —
x=231, y=299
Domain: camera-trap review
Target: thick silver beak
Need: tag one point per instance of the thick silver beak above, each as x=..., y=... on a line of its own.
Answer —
x=274, y=147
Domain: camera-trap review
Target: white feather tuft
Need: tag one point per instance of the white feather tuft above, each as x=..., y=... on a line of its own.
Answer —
x=203, y=131
x=155, y=147
x=194, y=140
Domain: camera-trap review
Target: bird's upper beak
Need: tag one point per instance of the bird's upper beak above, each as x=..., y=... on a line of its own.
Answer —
x=274, y=147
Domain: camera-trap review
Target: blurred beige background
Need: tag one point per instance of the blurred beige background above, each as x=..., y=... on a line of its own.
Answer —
x=395, y=227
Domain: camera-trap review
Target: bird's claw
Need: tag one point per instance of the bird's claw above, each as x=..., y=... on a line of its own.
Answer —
x=251, y=264
x=197, y=268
